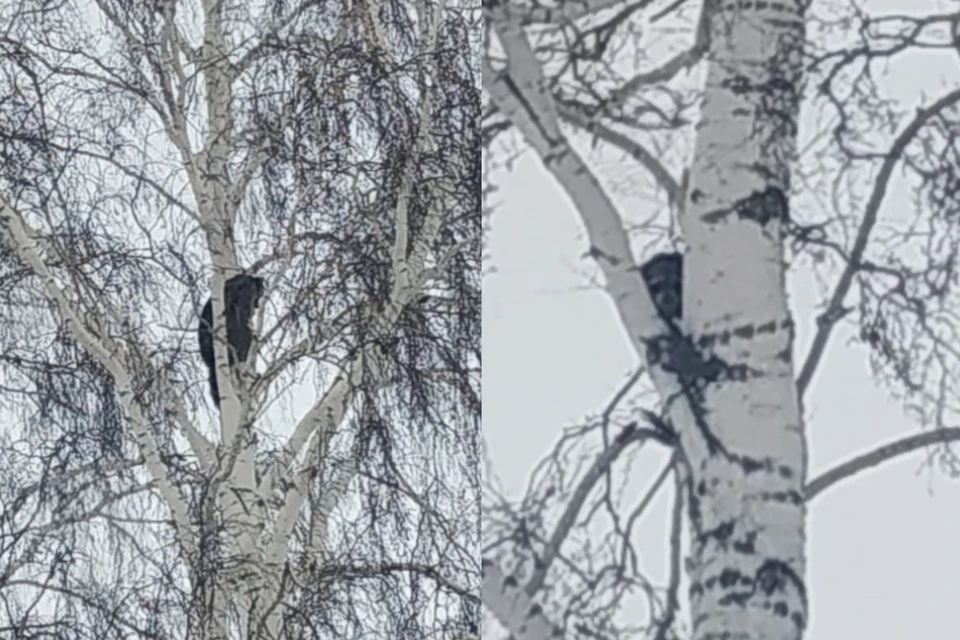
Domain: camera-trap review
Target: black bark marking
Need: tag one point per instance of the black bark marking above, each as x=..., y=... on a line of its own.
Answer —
x=772, y=578
x=721, y=533
x=760, y=207
x=746, y=545
x=730, y=578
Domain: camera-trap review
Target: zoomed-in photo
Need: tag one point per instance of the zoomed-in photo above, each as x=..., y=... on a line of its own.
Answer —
x=240, y=306
x=720, y=312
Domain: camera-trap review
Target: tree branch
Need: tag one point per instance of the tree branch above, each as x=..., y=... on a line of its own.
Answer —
x=828, y=319
x=564, y=13
x=633, y=148
x=876, y=457
x=676, y=549
x=88, y=331
x=600, y=466
x=669, y=69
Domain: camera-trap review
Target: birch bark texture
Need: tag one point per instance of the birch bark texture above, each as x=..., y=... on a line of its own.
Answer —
x=726, y=377
x=331, y=148
x=746, y=504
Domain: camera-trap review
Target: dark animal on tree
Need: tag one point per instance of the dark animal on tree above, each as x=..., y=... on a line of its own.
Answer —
x=241, y=295
x=663, y=275
x=675, y=352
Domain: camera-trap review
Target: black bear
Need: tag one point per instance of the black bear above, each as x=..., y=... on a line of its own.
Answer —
x=241, y=295
x=663, y=275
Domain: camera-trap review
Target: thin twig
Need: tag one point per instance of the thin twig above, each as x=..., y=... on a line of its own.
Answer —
x=633, y=148
x=829, y=317
x=676, y=550
x=597, y=470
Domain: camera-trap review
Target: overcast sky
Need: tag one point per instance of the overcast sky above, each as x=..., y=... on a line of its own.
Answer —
x=884, y=562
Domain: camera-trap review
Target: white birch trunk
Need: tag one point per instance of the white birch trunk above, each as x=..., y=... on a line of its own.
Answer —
x=731, y=392
x=746, y=501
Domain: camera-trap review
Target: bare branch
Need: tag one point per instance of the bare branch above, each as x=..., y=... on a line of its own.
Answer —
x=631, y=147
x=672, y=596
x=831, y=314
x=878, y=456
x=109, y=354
x=571, y=511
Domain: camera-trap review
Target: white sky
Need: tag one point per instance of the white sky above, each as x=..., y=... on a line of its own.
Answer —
x=883, y=557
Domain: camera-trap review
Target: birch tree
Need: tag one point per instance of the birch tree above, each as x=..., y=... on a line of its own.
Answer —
x=150, y=153
x=559, y=79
